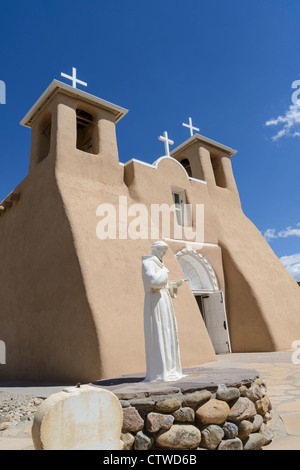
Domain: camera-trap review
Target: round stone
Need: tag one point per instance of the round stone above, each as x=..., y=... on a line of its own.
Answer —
x=132, y=421
x=242, y=409
x=124, y=403
x=179, y=437
x=245, y=428
x=262, y=406
x=254, y=442
x=268, y=416
x=184, y=414
x=263, y=390
x=211, y=436
x=227, y=393
x=231, y=444
x=230, y=430
x=267, y=433
x=196, y=398
x=168, y=405
x=254, y=393
x=213, y=412
x=142, y=441
x=157, y=421
x=142, y=403
x=128, y=440
x=257, y=422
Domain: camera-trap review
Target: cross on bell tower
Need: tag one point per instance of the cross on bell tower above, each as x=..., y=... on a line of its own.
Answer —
x=73, y=78
x=167, y=142
x=191, y=127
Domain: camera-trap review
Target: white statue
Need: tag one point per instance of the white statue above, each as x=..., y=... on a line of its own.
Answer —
x=161, y=337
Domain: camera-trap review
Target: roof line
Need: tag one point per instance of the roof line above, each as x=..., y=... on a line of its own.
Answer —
x=205, y=140
x=54, y=87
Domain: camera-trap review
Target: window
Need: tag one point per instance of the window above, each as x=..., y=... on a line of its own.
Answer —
x=86, y=132
x=214, y=163
x=218, y=171
x=179, y=201
x=187, y=166
x=44, y=137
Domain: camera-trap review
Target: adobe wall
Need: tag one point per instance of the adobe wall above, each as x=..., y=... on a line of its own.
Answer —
x=262, y=298
x=72, y=304
x=111, y=269
x=46, y=320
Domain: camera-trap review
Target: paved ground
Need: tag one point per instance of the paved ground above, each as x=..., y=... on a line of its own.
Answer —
x=283, y=387
x=283, y=383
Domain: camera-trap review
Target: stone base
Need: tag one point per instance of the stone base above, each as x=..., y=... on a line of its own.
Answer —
x=210, y=409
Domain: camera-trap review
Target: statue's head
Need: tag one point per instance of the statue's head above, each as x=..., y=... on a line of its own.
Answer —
x=159, y=249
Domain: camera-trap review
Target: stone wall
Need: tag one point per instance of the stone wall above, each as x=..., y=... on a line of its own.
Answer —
x=227, y=418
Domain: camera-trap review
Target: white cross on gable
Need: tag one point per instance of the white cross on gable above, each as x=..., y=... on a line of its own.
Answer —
x=191, y=127
x=167, y=142
x=73, y=78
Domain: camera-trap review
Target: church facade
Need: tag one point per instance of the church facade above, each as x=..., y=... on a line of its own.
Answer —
x=72, y=302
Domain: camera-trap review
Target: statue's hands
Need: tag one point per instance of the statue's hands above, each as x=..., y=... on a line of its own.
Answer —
x=179, y=282
x=173, y=286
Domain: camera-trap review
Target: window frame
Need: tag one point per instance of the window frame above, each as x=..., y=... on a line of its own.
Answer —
x=180, y=206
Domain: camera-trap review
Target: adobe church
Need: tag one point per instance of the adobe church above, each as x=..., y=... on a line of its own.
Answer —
x=72, y=304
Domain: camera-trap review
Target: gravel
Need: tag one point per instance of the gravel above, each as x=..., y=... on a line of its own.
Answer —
x=16, y=407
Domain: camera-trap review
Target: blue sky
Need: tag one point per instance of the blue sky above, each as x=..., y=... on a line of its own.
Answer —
x=229, y=64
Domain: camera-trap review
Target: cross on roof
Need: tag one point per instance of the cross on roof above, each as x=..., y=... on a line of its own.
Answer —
x=73, y=78
x=190, y=126
x=166, y=141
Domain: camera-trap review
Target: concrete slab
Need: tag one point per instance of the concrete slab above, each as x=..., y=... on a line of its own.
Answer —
x=18, y=443
x=291, y=406
x=35, y=389
x=291, y=422
x=286, y=443
x=196, y=378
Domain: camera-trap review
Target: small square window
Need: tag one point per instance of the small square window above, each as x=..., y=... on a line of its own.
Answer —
x=179, y=201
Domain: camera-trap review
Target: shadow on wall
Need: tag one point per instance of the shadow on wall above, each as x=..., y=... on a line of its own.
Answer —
x=248, y=330
x=46, y=320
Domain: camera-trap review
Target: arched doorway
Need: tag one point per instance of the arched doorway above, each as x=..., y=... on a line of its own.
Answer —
x=203, y=283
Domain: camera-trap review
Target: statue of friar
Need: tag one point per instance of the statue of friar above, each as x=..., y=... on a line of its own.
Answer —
x=160, y=326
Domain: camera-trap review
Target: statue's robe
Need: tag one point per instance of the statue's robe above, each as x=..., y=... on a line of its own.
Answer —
x=160, y=326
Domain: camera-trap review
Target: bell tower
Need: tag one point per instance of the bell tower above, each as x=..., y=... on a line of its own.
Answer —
x=207, y=160
x=75, y=130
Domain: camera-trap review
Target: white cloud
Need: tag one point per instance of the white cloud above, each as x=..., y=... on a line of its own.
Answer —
x=292, y=264
x=290, y=121
x=271, y=233
x=290, y=260
x=289, y=232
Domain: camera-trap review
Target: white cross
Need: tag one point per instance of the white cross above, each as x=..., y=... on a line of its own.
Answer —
x=73, y=78
x=166, y=141
x=190, y=126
